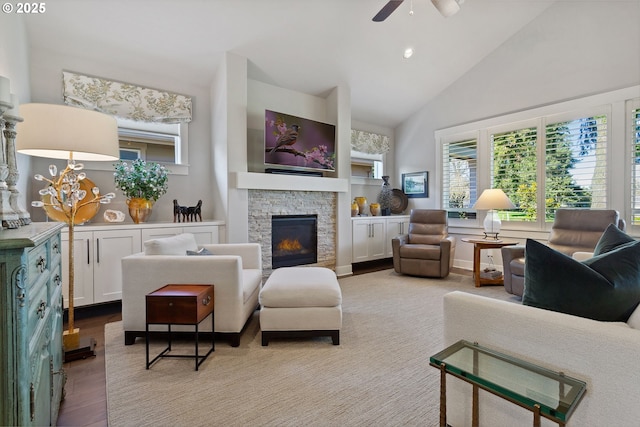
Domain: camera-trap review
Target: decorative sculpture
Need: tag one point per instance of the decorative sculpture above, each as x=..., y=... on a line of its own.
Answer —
x=187, y=214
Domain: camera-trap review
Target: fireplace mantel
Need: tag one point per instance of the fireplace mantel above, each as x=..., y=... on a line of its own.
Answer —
x=267, y=181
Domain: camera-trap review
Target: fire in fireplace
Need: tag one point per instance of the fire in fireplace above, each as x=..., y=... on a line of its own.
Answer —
x=294, y=240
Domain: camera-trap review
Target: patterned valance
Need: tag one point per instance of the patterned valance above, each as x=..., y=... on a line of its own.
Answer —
x=370, y=143
x=125, y=100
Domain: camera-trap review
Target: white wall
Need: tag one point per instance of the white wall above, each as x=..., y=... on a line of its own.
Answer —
x=14, y=64
x=571, y=50
x=46, y=86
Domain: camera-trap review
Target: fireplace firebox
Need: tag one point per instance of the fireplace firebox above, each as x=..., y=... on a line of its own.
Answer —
x=294, y=240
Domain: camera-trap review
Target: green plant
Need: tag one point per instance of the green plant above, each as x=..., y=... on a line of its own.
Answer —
x=141, y=179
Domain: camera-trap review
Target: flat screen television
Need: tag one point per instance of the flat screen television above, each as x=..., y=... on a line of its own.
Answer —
x=297, y=143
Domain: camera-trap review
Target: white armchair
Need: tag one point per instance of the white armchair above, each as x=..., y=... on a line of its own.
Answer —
x=234, y=269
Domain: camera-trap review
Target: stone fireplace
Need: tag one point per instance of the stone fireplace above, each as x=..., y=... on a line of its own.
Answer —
x=264, y=205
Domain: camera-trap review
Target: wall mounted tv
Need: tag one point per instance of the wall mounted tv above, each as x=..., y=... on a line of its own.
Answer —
x=298, y=144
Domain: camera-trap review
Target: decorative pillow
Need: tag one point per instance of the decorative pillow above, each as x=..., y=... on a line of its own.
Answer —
x=612, y=238
x=634, y=319
x=174, y=245
x=605, y=287
x=202, y=251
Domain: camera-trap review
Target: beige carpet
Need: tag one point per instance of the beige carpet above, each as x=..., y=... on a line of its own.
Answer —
x=378, y=376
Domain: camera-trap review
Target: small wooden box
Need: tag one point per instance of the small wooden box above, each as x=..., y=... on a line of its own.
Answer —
x=180, y=304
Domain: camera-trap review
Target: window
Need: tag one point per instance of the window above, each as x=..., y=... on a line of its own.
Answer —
x=571, y=154
x=635, y=164
x=460, y=191
x=576, y=164
x=514, y=169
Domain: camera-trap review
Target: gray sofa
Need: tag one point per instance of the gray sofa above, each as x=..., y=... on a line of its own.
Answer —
x=573, y=230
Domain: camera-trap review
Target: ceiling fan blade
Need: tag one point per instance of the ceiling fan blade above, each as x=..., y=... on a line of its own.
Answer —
x=387, y=10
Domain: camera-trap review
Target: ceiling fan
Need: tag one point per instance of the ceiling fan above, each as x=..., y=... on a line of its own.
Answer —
x=445, y=7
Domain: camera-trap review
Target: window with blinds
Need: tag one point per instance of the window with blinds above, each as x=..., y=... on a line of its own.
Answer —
x=459, y=186
x=635, y=166
x=514, y=166
x=576, y=165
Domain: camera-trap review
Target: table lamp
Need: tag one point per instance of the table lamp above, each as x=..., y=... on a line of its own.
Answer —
x=491, y=200
x=62, y=132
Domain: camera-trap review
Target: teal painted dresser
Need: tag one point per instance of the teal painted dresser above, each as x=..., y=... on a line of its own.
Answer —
x=31, y=356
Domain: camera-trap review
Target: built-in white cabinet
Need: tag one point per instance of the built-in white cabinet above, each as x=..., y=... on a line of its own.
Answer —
x=368, y=241
x=395, y=225
x=371, y=236
x=98, y=250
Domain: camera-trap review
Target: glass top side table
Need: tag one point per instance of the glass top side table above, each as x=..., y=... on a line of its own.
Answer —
x=546, y=393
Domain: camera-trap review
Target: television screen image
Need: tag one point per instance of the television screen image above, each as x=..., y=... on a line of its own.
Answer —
x=298, y=143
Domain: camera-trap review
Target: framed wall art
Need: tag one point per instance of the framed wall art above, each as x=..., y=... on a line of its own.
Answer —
x=416, y=184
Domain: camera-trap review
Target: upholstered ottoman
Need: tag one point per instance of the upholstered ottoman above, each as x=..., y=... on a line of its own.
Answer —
x=301, y=302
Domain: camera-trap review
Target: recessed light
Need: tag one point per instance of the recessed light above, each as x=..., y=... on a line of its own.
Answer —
x=408, y=53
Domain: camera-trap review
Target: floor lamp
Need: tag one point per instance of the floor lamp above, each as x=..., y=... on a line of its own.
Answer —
x=62, y=132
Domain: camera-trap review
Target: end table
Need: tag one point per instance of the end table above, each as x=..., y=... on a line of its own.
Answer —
x=479, y=245
x=180, y=305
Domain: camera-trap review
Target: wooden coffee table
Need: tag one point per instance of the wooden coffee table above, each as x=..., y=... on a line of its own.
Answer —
x=479, y=245
x=180, y=305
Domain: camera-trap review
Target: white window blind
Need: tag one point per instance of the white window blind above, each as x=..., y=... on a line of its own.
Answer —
x=635, y=166
x=514, y=170
x=459, y=177
x=576, y=164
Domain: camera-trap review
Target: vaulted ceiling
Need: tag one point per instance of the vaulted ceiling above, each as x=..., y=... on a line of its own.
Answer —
x=309, y=46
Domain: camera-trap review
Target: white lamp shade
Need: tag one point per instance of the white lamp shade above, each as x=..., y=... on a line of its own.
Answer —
x=56, y=131
x=446, y=7
x=493, y=199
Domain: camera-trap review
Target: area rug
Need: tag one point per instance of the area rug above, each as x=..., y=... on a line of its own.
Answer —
x=379, y=375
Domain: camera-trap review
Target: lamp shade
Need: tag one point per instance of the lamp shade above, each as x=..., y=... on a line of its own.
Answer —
x=493, y=199
x=446, y=8
x=56, y=131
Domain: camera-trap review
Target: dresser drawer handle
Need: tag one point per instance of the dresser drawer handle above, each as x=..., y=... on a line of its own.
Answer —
x=41, y=265
x=57, y=280
x=42, y=308
x=207, y=300
x=56, y=248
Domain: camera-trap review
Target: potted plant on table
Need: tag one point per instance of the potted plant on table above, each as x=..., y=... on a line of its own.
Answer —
x=143, y=183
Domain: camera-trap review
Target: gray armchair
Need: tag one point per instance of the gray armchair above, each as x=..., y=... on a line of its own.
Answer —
x=573, y=230
x=427, y=250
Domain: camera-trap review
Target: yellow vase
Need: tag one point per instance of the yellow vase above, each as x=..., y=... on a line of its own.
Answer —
x=139, y=209
x=375, y=209
x=363, y=205
x=355, y=210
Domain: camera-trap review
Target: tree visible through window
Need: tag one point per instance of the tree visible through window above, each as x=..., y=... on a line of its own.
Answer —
x=574, y=165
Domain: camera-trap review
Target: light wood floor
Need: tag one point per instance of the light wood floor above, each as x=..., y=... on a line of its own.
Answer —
x=85, y=402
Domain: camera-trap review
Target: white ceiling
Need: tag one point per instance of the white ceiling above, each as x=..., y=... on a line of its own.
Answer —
x=309, y=46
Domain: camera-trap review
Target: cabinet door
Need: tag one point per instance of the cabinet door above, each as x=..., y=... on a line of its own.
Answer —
x=159, y=233
x=361, y=233
x=83, y=261
x=204, y=234
x=109, y=248
x=395, y=226
x=377, y=241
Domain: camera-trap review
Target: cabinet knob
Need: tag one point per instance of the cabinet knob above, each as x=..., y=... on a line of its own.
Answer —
x=42, y=308
x=41, y=264
x=207, y=300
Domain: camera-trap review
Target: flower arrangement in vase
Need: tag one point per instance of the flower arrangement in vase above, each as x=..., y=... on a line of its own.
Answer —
x=143, y=183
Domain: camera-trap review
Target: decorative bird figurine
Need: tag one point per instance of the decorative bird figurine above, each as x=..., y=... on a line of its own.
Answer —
x=289, y=137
